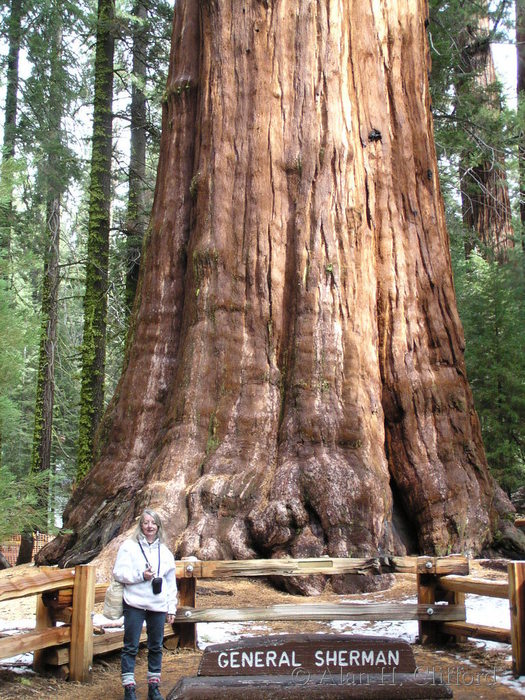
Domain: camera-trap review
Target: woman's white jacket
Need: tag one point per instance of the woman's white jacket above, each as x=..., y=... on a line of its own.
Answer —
x=129, y=569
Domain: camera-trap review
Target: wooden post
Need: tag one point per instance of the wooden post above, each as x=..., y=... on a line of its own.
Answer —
x=426, y=595
x=457, y=598
x=44, y=619
x=452, y=598
x=516, y=571
x=81, y=649
x=187, y=631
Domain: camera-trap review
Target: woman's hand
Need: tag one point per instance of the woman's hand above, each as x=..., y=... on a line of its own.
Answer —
x=170, y=619
x=148, y=574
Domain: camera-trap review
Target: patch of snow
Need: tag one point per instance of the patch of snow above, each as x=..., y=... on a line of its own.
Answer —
x=21, y=663
x=494, y=612
x=116, y=625
x=220, y=632
x=399, y=629
x=12, y=626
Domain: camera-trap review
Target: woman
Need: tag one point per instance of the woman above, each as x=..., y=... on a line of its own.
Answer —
x=146, y=567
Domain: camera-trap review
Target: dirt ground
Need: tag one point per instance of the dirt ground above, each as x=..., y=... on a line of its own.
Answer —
x=473, y=673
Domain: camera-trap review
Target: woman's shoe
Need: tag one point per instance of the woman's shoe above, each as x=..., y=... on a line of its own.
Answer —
x=154, y=692
x=129, y=692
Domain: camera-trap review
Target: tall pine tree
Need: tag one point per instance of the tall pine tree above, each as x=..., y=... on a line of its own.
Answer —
x=95, y=299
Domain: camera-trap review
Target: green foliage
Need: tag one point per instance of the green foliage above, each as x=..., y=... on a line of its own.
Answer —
x=490, y=299
x=18, y=333
x=471, y=123
x=19, y=498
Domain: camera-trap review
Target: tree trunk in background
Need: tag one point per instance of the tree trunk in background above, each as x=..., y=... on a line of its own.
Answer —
x=8, y=151
x=295, y=381
x=484, y=189
x=45, y=389
x=137, y=219
x=25, y=551
x=11, y=106
x=520, y=44
x=95, y=299
x=44, y=403
x=41, y=456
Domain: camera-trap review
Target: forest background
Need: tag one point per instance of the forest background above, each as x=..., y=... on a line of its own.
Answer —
x=82, y=98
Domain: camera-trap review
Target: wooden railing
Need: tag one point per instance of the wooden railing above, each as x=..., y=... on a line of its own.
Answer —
x=44, y=581
x=69, y=596
x=188, y=615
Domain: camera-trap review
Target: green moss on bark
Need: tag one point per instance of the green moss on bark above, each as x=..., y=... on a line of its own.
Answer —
x=95, y=299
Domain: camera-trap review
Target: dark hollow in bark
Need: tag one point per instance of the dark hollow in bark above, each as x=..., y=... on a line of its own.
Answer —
x=296, y=355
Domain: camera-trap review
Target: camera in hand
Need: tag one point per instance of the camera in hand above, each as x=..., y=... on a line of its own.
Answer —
x=156, y=584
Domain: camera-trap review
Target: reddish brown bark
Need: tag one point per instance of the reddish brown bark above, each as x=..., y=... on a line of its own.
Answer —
x=520, y=87
x=487, y=215
x=296, y=351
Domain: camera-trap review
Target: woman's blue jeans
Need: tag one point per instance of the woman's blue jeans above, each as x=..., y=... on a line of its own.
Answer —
x=133, y=621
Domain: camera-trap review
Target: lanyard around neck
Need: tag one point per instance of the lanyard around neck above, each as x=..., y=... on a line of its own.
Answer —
x=146, y=558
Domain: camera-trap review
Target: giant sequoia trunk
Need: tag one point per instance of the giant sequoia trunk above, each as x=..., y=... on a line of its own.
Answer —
x=295, y=381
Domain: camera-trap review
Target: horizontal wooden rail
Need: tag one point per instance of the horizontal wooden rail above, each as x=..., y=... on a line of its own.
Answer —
x=39, y=639
x=467, y=629
x=64, y=597
x=102, y=644
x=291, y=567
x=341, y=611
x=478, y=586
x=34, y=580
x=325, y=565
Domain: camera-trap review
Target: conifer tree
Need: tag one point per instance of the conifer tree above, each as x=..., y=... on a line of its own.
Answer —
x=136, y=215
x=49, y=93
x=10, y=116
x=8, y=151
x=485, y=198
x=95, y=300
x=520, y=48
x=491, y=296
x=470, y=123
x=54, y=185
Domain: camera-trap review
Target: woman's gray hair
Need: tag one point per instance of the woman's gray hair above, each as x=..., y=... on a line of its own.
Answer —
x=158, y=522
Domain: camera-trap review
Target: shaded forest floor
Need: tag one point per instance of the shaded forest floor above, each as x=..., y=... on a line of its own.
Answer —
x=475, y=671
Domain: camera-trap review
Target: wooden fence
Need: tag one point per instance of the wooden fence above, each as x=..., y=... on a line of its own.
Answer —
x=69, y=596
x=10, y=547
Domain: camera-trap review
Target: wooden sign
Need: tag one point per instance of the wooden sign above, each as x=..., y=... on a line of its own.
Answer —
x=313, y=666
x=312, y=653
